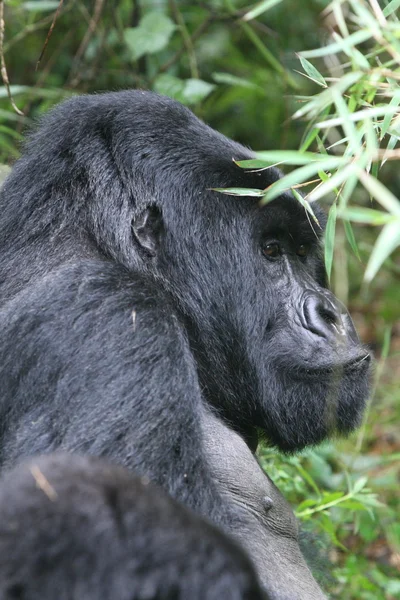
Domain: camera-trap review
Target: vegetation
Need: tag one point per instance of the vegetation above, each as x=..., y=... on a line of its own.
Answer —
x=330, y=116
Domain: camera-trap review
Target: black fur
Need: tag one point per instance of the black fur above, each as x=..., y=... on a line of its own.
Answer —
x=133, y=296
x=76, y=528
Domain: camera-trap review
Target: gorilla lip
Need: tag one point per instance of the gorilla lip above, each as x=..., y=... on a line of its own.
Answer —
x=336, y=369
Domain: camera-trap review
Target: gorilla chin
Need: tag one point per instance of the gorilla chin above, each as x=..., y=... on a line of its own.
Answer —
x=331, y=401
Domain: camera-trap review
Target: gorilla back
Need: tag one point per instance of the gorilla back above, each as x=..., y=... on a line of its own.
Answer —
x=132, y=296
x=77, y=528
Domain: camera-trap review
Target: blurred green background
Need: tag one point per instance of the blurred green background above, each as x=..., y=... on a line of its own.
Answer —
x=240, y=75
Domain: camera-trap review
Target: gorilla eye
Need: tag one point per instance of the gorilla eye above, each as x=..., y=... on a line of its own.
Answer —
x=302, y=250
x=272, y=250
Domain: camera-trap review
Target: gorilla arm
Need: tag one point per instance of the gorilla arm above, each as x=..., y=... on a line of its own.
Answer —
x=266, y=526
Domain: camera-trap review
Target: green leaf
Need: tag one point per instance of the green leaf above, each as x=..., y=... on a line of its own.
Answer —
x=230, y=79
x=359, y=214
x=378, y=111
x=331, y=497
x=312, y=71
x=352, y=505
x=305, y=204
x=351, y=238
x=348, y=43
x=292, y=157
x=253, y=163
x=171, y=86
x=306, y=504
x=14, y=90
x=196, y=90
x=239, y=191
x=380, y=193
x=152, y=35
x=299, y=176
x=189, y=91
x=40, y=5
x=395, y=101
x=332, y=183
x=388, y=240
x=320, y=102
x=391, y=7
x=259, y=9
x=330, y=239
x=359, y=485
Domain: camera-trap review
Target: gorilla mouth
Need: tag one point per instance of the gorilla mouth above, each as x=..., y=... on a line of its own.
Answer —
x=359, y=363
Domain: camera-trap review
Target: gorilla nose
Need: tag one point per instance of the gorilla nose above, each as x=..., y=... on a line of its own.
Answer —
x=325, y=316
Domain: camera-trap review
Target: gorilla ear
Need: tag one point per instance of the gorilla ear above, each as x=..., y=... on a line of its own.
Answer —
x=147, y=228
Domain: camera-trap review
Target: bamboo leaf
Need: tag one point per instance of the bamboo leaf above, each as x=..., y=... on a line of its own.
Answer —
x=391, y=7
x=305, y=204
x=300, y=175
x=346, y=43
x=291, y=157
x=330, y=240
x=253, y=163
x=360, y=115
x=333, y=182
x=259, y=9
x=312, y=71
x=351, y=238
x=359, y=214
x=233, y=191
x=380, y=193
x=388, y=240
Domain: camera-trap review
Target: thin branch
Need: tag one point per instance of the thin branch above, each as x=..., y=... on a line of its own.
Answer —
x=4, y=73
x=98, y=8
x=59, y=7
x=187, y=40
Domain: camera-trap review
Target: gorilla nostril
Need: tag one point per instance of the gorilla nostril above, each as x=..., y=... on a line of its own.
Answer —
x=328, y=315
x=321, y=316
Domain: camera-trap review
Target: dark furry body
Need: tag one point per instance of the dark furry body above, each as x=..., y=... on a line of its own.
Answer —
x=133, y=297
x=75, y=528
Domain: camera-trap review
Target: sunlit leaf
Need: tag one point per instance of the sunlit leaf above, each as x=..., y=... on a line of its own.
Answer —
x=355, y=38
x=292, y=157
x=254, y=163
x=351, y=238
x=359, y=214
x=195, y=90
x=394, y=102
x=388, y=240
x=305, y=205
x=300, y=175
x=233, y=191
x=380, y=193
x=330, y=240
x=332, y=183
x=259, y=9
x=230, y=79
x=391, y=7
x=312, y=72
x=40, y=5
x=359, y=485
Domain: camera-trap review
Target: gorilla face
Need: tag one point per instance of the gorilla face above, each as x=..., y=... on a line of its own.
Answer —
x=272, y=343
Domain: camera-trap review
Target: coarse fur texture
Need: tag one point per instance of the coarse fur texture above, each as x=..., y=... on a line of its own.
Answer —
x=77, y=528
x=133, y=296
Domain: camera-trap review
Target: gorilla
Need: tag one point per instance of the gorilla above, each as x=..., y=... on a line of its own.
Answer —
x=74, y=528
x=139, y=307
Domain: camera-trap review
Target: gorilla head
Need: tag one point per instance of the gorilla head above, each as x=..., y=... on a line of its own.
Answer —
x=131, y=174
